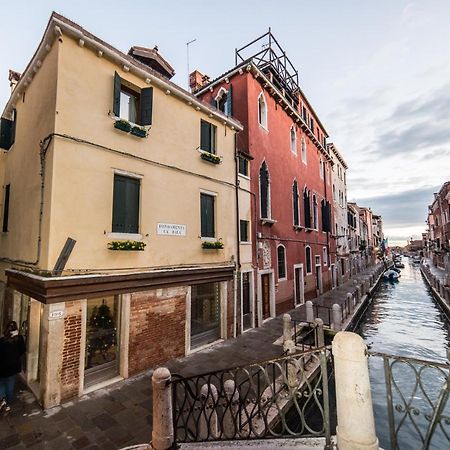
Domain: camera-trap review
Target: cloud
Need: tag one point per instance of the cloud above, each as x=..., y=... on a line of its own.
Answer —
x=404, y=209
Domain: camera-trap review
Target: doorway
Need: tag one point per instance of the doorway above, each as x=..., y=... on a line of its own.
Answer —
x=102, y=340
x=265, y=293
x=319, y=288
x=299, y=285
x=247, y=309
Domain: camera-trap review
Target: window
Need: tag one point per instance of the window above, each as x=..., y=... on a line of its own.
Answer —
x=262, y=111
x=308, y=260
x=224, y=101
x=295, y=208
x=307, y=208
x=321, y=168
x=293, y=140
x=334, y=192
x=126, y=204
x=131, y=103
x=6, y=208
x=207, y=215
x=326, y=216
x=208, y=133
x=303, y=150
x=264, y=191
x=304, y=113
x=281, y=253
x=325, y=256
x=311, y=124
x=315, y=218
x=243, y=166
x=8, y=131
x=243, y=228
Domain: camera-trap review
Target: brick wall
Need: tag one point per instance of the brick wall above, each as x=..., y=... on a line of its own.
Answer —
x=70, y=368
x=157, y=327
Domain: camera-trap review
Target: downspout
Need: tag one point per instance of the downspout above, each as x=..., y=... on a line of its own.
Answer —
x=44, y=145
x=237, y=281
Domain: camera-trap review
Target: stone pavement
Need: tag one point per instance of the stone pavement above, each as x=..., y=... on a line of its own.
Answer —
x=120, y=415
x=436, y=271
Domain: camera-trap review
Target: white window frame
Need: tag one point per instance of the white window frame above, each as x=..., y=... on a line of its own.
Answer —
x=306, y=260
x=204, y=238
x=252, y=299
x=304, y=151
x=301, y=300
x=321, y=168
x=293, y=139
x=285, y=265
x=222, y=91
x=272, y=295
x=262, y=118
x=269, y=200
x=325, y=256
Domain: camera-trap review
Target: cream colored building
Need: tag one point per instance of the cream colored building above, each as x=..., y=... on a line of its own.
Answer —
x=163, y=179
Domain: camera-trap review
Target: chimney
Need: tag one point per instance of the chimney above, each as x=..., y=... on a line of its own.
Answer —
x=197, y=80
x=13, y=78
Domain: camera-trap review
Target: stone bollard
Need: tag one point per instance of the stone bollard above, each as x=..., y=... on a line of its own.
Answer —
x=289, y=348
x=337, y=317
x=355, y=422
x=350, y=301
x=363, y=289
x=208, y=424
x=320, y=333
x=162, y=432
x=230, y=428
x=286, y=327
x=309, y=311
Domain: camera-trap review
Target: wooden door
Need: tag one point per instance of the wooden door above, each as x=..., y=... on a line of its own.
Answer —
x=265, y=282
x=298, y=285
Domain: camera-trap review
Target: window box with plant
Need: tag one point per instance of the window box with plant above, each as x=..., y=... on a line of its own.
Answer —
x=123, y=125
x=210, y=157
x=214, y=245
x=127, y=245
x=139, y=131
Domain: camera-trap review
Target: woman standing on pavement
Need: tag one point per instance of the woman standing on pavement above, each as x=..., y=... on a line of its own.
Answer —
x=12, y=347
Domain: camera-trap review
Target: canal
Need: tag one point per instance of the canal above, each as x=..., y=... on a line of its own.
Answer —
x=404, y=320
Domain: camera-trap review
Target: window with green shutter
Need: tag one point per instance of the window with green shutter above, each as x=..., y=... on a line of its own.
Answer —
x=126, y=204
x=207, y=215
x=208, y=133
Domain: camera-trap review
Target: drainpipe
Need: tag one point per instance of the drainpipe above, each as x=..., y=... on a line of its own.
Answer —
x=237, y=281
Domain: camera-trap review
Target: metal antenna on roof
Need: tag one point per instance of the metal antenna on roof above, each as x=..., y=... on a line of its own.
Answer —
x=187, y=58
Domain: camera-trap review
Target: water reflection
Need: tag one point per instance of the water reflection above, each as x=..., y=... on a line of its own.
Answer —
x=404, y=320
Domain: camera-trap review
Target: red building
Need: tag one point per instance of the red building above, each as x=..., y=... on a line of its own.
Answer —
x=283, y=151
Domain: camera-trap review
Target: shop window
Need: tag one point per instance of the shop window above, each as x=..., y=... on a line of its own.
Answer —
x=281, y=254
x=262, y=111
x=131, y=103
x=244, y=228
x=208, y=134
x=207, y=215
x=205, y=314
x=126, y=204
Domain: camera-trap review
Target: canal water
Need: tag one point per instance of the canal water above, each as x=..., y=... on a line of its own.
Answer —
x=404, y=320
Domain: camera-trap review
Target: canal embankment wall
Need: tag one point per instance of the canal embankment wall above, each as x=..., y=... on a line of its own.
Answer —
x=439, y=283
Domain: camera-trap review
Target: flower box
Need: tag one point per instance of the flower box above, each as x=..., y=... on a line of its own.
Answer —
x=127, y=245
x=216, y=245
x=122, y=125
x=210, y=157
x=139, y=132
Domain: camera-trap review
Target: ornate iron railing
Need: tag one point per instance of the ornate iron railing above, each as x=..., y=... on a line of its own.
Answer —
x=284, y=397
x=417, y=400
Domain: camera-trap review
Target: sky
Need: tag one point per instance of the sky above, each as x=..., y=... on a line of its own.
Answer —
x=376, y=72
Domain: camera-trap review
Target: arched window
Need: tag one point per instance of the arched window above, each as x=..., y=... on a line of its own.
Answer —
x=264, y=191
x=315, y=221
x=307, y=208
x=223, y=100
x=321, y=168
x=303, y=150
x=262, y=110
x=295, y=209
x=308, y=259
x=281, y=254
x=293, y=136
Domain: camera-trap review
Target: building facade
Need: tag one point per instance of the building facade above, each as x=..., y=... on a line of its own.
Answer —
x=115, y=185
x=293, y=252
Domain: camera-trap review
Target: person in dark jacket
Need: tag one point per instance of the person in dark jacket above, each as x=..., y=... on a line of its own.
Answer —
x=12, y=347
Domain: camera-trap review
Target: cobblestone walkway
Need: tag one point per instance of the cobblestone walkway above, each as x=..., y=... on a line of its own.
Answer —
x=121, y=414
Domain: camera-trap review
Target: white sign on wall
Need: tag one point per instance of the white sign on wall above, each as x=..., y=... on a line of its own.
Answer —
x=55, y=315
x=171, y=229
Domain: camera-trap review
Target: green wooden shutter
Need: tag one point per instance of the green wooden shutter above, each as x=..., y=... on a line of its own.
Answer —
x=14, y=125
x=6, y=132
x=116, y=99
x=229, y=107
x=213, y=137
x=205, y=140
x=126, y=205
x=146, y=106
x=6, y=208
x=207, y=215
